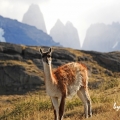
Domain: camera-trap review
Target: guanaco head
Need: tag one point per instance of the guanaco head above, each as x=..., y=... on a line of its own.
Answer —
x=46, y=56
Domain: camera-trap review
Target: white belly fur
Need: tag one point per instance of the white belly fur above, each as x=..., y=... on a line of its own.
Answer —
x=72, y=89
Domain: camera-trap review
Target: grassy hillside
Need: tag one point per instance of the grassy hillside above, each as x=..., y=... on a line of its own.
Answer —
x=37, y=106
x=104, y=87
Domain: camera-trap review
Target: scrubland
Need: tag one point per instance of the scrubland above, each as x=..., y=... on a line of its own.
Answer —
x=36, y=105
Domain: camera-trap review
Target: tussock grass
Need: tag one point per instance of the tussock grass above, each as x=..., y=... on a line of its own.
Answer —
x=37, y=106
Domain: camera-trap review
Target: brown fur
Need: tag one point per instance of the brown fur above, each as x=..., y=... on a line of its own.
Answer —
x=65, y=75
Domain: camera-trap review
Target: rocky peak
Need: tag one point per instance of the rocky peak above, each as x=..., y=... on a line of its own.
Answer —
x=68, y=23
x=34, y=17
x=59, y=23
x=66, y=35
x=102, y=37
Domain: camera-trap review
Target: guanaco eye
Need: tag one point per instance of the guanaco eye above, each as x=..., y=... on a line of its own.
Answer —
x=48, y=56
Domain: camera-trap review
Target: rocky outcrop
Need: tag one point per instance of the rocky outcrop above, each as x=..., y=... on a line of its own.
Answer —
x=21, y=67
x=103, y=38
x=110, y=61
x=66, y=35
x=17, y=71
x=34, y=17
x=15, y=78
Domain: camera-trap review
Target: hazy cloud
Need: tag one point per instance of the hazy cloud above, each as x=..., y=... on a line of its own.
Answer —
x=24, y=1
x=2, y=39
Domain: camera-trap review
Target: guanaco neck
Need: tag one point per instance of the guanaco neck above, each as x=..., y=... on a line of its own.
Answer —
x=49, y=79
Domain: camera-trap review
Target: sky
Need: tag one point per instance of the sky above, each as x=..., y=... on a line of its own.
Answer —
x=82, y=13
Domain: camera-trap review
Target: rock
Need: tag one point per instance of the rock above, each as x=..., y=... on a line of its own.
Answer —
x=102, y=37
x=66, y=35
x=11, y=48
x=35, y=17
x=111, y=63
x=6, y=56
x=110, y=60
x=38, y=63
x=29, y=53
x=20, y=89
x=63, y=55
x=84, y=58
x=1, y=48
x=10, y=52
x=10, y=57
x=108, y=72
x=16, y=76
x=57, y=62
x=95, y=70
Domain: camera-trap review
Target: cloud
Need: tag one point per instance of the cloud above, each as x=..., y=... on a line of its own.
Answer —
x=2, y=39
x=16, y=8
x=26, y=1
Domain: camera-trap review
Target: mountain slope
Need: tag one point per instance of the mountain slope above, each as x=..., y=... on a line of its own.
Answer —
x=19, y=33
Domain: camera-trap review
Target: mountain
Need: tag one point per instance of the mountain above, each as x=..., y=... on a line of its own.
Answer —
x=66, y=35
x=34, y=17
x=102, y=37
x=2, y=39
x=19, y=33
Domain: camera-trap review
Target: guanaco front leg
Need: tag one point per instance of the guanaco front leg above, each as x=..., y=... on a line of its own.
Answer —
x=61, y=108
x=56, y=107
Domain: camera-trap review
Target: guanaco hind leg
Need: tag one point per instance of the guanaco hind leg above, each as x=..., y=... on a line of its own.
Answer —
x=84, y=96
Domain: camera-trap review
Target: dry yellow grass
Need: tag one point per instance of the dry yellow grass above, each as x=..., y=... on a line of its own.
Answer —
x=37, y=106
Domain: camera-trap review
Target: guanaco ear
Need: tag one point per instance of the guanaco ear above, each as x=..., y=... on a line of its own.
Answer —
x=41, y=52
x=50, y=50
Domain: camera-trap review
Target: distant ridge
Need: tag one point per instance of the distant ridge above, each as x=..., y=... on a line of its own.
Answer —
x=19, y=33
